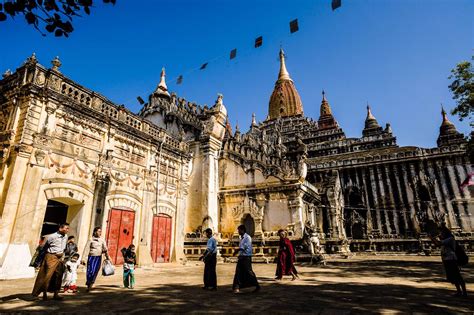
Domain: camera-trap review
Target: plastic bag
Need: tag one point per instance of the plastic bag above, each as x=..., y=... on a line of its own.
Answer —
x=108, y=269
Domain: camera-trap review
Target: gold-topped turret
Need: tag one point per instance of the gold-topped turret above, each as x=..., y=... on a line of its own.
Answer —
x=285, y=100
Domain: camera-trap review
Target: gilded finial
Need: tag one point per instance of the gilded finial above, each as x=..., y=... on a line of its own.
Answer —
x=283, y=75
x=445, y=116
x=369, y=112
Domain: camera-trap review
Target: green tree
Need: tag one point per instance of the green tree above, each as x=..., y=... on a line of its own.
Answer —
x=55, y=15
x=463, y=90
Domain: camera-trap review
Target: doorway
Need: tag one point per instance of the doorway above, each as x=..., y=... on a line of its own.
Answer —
x=161, y=238
x=249, y=224
x=56, y=214
x=119, y=233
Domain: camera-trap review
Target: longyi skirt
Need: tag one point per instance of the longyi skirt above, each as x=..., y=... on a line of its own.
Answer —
x=453, y=274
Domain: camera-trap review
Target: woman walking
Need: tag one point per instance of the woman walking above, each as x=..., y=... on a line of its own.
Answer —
x=286, y=258
x=94, y=250
x=449, y=258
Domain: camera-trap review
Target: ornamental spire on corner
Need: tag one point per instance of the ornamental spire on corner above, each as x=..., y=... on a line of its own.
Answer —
x=446, y=120
x=162, y=89
x=254, y=121
x=326, y=119
x=448, y=133
x=371, y=125
x=370, y=120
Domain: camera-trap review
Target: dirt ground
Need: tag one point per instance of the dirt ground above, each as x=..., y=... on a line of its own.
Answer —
x=358, y=285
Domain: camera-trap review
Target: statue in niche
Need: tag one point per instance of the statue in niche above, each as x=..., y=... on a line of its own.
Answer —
x=287, y=169
x=302, y=167
x=312, y=243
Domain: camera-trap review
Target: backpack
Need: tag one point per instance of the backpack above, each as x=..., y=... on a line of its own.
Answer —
x=462, y=258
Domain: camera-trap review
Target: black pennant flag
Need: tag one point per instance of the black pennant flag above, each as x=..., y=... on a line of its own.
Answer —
x=204, y=65
x=335, y=4
x=233, y=53
x=294, y=26
x=179, y=80
x=258, y=41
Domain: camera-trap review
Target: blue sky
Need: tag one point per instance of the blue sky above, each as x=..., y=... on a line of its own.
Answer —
x=394, y=54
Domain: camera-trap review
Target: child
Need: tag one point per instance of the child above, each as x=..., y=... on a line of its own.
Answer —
x=130, y=261
x=71, y=248
x=70, y=274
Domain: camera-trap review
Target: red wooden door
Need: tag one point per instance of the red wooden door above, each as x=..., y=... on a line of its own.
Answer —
x=161, y=238
x=119, y=233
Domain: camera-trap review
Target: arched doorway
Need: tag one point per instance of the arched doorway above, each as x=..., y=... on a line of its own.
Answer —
x=249, y=224
x=120, y=226
x=355, y=214
x=56, y=214
x=161, y=238
x=425, y=202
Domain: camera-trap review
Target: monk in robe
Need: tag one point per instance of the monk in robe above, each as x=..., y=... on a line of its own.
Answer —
x=286, y=258
x=50, y=275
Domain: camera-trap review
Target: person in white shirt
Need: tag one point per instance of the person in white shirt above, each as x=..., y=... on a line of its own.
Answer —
x=244, y=275
x=50, y=275
x=210, y=262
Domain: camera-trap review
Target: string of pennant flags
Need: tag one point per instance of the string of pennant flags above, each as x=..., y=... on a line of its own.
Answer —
x=258, y=42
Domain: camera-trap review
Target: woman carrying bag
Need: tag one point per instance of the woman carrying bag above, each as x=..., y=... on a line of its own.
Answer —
x=94, y=250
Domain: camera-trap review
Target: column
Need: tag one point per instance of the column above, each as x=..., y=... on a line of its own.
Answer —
x=452, y=217
x=396, y=220
x=410, y=197
x=367, y=203
x=376, y=199
x=401, y=195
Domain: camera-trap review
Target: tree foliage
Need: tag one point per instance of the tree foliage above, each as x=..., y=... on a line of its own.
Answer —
x=54, y=15
x=463, y=90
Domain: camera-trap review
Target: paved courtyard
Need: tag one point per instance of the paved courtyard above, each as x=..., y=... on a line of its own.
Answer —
x=358, y=285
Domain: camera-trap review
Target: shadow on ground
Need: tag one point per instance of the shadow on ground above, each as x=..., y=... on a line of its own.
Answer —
x=342, y=298
x=308, y=295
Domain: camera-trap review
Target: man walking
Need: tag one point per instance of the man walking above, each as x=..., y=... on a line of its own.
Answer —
x=210, y=262
x=50, y=275
x=244, y=275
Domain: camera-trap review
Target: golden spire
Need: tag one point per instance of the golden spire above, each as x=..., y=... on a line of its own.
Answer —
x=445, y=117
x=285, y=100
x=283, y=75
x=369, y=113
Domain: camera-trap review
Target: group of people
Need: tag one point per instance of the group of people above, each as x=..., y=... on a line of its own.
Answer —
x=244, y=276
x=57, y=257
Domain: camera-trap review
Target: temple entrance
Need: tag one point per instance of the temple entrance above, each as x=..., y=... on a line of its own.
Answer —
x=120, y=227
x=161, y=238
x=249, y=225
x=358, y=230
x=56, y=214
